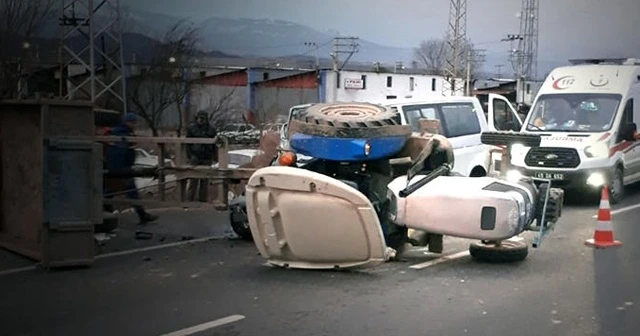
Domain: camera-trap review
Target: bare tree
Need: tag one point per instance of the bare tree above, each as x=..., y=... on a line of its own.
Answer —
x=20, y=23
x=162, y=82
x=432, y=54
x=223, y=108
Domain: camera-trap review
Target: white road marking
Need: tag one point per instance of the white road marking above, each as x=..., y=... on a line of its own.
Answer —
x=440, y=260
x=18, y=270
x=152, y=248
x=119, y=253
x=205, y=326
x=621, y=210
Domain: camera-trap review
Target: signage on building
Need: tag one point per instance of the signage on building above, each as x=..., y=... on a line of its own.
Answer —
x=353, y=84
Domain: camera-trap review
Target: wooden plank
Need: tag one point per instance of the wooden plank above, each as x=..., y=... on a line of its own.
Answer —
x=164, y=204
x=184, y=172
x=142, y=139
x=204, y=172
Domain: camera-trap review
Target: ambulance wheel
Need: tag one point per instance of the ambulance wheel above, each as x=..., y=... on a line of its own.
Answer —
x=507, y=251
x=616, y=190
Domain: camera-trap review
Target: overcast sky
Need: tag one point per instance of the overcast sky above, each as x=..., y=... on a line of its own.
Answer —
x=568, y=28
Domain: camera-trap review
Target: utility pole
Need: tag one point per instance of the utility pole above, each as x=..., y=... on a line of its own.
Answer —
x=474, y=56
x=77, y=19
x=315, y=48
x=456, y=41
x=342, y=45
x=517, y=62
x=499, y=70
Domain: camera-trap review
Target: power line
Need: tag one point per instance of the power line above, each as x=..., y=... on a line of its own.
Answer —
x=474, y=56
x=343, y=45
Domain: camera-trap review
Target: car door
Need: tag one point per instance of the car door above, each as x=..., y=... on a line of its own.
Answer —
x=501, y=115
x=632, y=157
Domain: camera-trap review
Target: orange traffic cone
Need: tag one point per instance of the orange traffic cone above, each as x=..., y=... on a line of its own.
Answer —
x=603, y=236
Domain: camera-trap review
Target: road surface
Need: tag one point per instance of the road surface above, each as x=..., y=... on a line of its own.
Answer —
x=221, y=287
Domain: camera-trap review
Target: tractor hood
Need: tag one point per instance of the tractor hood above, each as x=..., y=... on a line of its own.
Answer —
x=302, y=219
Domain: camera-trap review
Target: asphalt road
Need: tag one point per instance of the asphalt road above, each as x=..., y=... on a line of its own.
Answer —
x=563, y=288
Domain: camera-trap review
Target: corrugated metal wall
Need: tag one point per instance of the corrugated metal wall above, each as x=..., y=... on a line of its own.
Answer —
x=273, y=101
x=228, y=102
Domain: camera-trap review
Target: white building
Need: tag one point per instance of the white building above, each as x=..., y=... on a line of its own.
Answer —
x=374, y=86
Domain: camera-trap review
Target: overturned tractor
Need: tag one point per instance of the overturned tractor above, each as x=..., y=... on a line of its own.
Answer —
x=371, y=180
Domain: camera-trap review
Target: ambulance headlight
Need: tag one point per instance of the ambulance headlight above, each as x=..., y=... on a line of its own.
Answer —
x=596, y=180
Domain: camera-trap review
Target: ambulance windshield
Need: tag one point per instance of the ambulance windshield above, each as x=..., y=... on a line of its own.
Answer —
x=574, y=112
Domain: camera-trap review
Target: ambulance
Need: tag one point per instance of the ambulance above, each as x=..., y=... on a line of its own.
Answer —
x=587, y=114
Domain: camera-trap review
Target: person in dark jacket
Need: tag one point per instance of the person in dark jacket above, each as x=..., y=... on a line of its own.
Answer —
x=200, y=154
x=122, y=155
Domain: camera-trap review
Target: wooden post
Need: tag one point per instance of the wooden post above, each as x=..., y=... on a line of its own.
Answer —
x=182, y=183
x=223, y=163
x=161, y=179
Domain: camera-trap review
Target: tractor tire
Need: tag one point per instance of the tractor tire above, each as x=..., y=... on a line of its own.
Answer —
x=238, y=218
x=508, y=251
x=349, y=120
x=554, y=206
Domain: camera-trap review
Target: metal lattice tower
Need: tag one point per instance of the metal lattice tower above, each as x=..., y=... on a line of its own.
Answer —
x=91, y=55
x=524, y=46
x=456, y=44
x=529, y=18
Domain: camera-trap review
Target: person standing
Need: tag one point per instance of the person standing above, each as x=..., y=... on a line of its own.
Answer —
x=122, y=155
x=200, y=154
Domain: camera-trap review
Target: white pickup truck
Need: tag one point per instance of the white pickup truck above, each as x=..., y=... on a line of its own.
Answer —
x=462, y=120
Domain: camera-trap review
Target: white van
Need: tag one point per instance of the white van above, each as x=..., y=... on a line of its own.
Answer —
x=462, y=120
x=586, y=114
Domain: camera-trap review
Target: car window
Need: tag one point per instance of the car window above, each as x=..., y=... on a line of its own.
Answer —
x=503, y=118
x=413, y=113
x=459, y=119
x=239, y=159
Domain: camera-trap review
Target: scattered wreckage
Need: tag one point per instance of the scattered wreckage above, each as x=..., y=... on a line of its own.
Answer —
x=373, y=185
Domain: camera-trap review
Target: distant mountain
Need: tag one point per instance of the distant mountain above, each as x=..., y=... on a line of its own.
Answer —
x=286, y=40
x=142, y=32
x=263, y=38
x=273, y=38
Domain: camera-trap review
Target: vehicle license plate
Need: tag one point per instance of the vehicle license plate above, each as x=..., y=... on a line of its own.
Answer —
x=550, y=176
